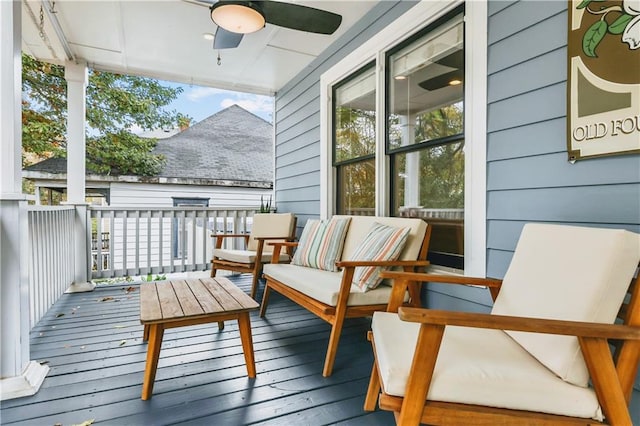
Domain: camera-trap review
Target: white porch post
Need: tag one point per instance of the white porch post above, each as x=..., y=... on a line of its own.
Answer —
x=18, y=375
x=77, y=77
x=412, y=162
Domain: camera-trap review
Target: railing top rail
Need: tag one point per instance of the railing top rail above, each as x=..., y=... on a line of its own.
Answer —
x=175, y=209
x=41, y=208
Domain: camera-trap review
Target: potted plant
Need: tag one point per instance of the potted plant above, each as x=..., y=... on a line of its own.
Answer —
x=265, y=207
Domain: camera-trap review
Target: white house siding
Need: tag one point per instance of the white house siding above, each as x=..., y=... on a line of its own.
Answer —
x=528, y=176
x=297, y=123
x=155, y=195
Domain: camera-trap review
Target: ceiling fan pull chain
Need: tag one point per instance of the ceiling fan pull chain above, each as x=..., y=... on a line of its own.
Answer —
x=41, y=22
x=219, y=59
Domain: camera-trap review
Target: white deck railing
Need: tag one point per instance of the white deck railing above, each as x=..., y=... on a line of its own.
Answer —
x=135, y=241
x=51, y=256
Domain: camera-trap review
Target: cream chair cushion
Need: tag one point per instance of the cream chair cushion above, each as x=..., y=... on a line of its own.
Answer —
x=324, y=286
x=246, y=256
x=478, y=366
x=269, y=225
x=568, y=273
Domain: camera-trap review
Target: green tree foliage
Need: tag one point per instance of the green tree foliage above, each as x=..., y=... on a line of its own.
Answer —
x=441, y=167
x=115, y=104
x=356, y=138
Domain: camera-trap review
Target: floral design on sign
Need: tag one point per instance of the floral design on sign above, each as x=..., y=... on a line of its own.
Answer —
x=615, y=20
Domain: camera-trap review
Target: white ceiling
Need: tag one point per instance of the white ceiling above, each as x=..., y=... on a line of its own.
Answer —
x=164, y=39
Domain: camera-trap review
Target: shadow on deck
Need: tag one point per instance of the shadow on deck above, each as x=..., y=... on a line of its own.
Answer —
x=93, y=344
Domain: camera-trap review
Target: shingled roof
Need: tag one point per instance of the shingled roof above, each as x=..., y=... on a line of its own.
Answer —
x=229, y=147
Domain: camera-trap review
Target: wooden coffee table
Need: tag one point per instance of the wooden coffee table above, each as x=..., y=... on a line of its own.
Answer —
x=178, y=303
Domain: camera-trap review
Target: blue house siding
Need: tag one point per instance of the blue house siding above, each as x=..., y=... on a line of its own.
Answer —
x=528, y=176
x=298, y=118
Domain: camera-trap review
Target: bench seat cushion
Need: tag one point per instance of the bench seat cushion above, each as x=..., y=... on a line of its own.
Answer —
x=324, y=286
x=245, y=256
x=478, y=366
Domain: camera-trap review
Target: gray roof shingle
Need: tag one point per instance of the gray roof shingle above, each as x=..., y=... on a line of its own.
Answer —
x=231, y=145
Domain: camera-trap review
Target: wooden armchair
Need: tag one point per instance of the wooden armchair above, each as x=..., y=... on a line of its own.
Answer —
x=531, y=360
x=265, y=227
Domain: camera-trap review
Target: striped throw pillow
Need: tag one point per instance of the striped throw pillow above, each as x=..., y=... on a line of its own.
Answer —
x=321, y=243
x=381, y=243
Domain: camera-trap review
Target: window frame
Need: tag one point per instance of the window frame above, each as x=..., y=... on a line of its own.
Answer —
x=439, y=258
x=375, y=48
x=336, y=165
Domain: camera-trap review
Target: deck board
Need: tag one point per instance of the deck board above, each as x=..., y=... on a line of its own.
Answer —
x=97, y=360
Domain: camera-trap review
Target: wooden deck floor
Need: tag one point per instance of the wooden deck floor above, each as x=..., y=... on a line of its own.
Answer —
x=93, y=344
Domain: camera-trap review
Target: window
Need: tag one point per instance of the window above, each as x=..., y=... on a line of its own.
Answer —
x=180, y=228
x=354, y=142
x=430, y=135
x=425, y=134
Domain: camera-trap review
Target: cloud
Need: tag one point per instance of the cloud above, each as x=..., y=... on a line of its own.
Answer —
x=195, y=94
x=254, y=103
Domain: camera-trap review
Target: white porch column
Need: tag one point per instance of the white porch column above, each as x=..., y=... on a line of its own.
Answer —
x=412, y=165
x=77, y=77
x=19, y=375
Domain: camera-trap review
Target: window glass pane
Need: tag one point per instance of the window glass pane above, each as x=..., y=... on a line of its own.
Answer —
x=355, y=117
x=356, y=188
x=429, y=183
x=425, y=87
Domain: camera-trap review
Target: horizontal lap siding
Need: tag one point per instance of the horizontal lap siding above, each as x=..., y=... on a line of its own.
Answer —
x=528, y=176
x=298, y=118
x=155, y=195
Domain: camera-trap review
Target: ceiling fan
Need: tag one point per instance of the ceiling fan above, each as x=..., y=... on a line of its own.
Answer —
x=454, y=60
x=235, y=18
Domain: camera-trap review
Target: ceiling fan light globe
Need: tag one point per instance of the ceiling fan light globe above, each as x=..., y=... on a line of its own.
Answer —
x=237, y=18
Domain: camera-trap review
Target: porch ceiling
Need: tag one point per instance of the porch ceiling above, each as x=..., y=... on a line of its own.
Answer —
x=164, y=39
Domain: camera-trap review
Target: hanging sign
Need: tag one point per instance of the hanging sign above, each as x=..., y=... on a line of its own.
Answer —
x=603, y=89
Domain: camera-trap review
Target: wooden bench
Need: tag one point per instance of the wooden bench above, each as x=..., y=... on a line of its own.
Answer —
x=179, y=303
x=330, y=295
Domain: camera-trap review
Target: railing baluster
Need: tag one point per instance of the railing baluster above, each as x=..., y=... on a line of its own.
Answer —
x=182, y=244
x=203, y=235
x=160, y=234
x=125, y=243
x=148, y=271
x=194, y=235
x=112, y=243
x=99, y=263
x=137, y=242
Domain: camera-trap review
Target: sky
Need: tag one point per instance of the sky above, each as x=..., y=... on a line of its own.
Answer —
x=201, y=102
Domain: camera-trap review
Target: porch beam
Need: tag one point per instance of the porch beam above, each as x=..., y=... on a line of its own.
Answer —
x=19, y=375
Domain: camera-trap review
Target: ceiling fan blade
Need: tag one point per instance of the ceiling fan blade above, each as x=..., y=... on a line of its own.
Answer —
x=224, y=39
x=441, y=81
x=453, y=60
x=298, y=17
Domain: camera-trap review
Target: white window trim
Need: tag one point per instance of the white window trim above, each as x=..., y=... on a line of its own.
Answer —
x=409, y=23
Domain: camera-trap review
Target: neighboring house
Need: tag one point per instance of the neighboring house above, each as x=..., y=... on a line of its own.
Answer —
x=516, y=166
x=225, y=160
